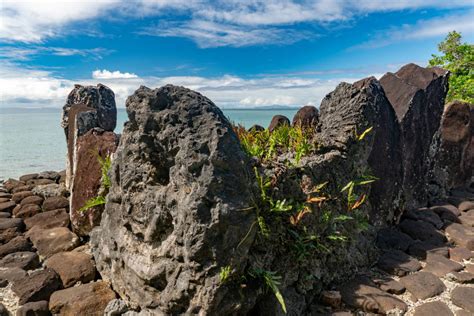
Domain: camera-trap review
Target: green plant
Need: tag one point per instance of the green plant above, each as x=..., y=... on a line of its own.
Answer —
x=105, y=164
x=105, y=183
x=271, y=280
x=458, y=58
x=224, y=274
x=95, y=201
x=284, y=139
x=354, y=200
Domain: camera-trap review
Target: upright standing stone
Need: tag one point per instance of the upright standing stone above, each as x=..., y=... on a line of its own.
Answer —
x=89, y=118
x=451, y=152
x=88, y=177
x=86, y=107
x=352, y=109
x=417, y=95
x=176, y=210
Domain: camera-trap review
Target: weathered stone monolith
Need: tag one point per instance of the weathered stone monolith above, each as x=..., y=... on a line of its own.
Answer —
x=86, y=107
x=88, y=177
x=452, y=159
x=89, y=118
x=417, y=95
x=178, y=208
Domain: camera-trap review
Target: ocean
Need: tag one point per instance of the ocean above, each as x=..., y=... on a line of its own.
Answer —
x=32, y=140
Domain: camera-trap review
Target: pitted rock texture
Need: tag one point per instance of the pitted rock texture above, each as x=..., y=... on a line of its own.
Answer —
x=86, y=107
x=87, y=180
x=417, y=95
x=352, y=109
x=178, y=206
x=100, y=99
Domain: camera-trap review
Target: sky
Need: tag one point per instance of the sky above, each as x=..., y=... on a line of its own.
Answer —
x=238, y=53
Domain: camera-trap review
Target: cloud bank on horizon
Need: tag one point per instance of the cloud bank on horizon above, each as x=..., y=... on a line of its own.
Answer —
x=238, y=53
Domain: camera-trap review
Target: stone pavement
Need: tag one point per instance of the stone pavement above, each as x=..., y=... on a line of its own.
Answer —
x=426, y=266
x=44, y=267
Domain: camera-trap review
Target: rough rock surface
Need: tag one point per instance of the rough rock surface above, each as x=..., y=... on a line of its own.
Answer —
x=100, y=99
x=452, y=165
x=87, y=180
x=37, y=286
x=87, y=299
x=25, y=260
x=87, y=107
x=307, y=116
x=72, y=267
x=39, y=308
x=53, y=240
x=363, y=294
x=277, y=121
x=417, y=95
x=351, y=109
x=175, y=212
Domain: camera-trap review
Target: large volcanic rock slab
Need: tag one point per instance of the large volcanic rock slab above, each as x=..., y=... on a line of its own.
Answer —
x=175, y=211
x=352, y=109
x=417, y=95
x=86, y=107
x=87, y=177
x=452, y=150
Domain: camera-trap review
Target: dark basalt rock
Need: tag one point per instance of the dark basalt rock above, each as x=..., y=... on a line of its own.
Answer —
x=176, y=210
x=256, y=128
x=307, y=116
x=417, y=95
x=452, y=158
x=87, y=107
x=99, y=99
x=277, y=121
x=352, y=109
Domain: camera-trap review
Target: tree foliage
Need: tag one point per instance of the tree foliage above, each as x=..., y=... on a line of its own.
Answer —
x=458, y=58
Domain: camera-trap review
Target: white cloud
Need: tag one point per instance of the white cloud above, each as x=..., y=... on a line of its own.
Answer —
x=42, y=88
x=105, y=74
x=27, y=52
x=211, y=34
x=435, y=27
x=32, y=21
x=209, y=23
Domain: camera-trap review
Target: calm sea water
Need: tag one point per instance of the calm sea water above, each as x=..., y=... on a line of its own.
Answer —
x=32, y=140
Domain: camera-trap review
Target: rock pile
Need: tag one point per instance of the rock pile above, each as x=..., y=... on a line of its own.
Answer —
x=426, y=266
x=42, y=264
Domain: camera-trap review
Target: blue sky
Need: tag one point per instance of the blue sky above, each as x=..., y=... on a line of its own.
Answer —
x=238, y=53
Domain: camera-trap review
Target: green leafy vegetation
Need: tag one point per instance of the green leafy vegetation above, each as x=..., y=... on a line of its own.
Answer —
x=458, y=58
x=284, y=139
x=271, y=280
x=225, y=273
x=105, y=164
x=318, y=222
x=95, y=201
